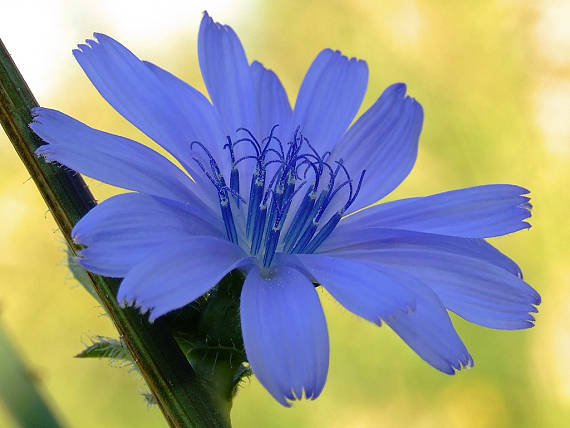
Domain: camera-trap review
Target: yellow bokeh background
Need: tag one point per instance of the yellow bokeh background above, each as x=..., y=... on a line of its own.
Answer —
x=493, y=78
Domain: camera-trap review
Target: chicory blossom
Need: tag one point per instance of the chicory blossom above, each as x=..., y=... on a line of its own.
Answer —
x=271, y=193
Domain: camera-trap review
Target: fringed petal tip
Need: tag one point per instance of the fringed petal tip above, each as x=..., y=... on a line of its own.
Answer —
x=127, y=299
x=76, y=234
x=82, y=49
x=209, y=21
x=124, y=302
x=476, y=212
x=535, y=298
x=37, y=126
x=90, y=45
x=97, y=38
x=48, y=153
x=288, y=398
x=45, y=152
x=529, y=320
x=289, y=358
x=524, y=207
x=465, y=363
x=131, y=302
x=257, y=66
x=339, y=55
x=398, y=90
x=35, y=112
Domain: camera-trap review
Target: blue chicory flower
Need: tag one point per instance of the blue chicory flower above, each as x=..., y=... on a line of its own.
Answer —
x=272, y=187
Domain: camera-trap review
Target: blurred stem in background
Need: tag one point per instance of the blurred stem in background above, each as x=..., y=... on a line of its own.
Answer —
x=18, y=391
x=181, y=393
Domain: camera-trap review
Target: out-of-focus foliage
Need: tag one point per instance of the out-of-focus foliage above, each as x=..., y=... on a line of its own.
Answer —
x=18, y=391
x=493, y=79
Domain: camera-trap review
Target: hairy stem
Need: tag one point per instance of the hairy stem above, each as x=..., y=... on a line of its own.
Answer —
x=180, y=393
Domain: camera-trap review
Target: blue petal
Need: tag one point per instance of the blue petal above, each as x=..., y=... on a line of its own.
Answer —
x=429, y=331
x=109, y=158
x=474, y=212
x=285, y=334
x=346, y=239
x=384, y=142
x=273, y=106
x=137, y=94
x=202, y=121
x=329, y=98
x=178, y=273
x=227, y=75
x=360, y=288
x=124, y=229
x=474, y=289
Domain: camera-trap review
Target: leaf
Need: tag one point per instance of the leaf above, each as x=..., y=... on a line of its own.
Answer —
x=106, y=347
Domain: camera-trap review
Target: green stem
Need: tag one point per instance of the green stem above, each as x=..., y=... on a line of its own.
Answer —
x=179, y=391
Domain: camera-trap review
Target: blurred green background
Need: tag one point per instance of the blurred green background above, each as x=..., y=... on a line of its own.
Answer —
x=493, y=77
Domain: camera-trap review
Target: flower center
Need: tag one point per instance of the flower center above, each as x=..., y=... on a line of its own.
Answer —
x=280, y=173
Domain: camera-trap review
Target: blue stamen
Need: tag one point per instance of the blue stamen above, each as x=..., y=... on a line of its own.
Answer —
x=324, y=233
x=201, y=165
x=198, y=143
x=258, y=230
x=306, y=222
x=352, y=197
x=287, y=196
x=270, y=201
x=270, y=138
x=305, y=238
x=255, y=195
x=335, y=191
x=254, y=144
x=303, y=212
x=279, y=155
x=271, y=246
x=276, y=200
x=228, y=218
x=230, y=146
x=273, y=239
x=240, y=160
x=234, y=183
x=252, y=140
x=272, y=191
x=234, y=175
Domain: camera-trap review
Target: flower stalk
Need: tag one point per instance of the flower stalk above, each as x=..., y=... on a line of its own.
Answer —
x=179, y=390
